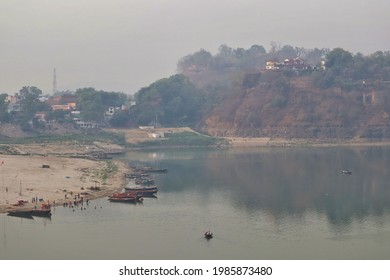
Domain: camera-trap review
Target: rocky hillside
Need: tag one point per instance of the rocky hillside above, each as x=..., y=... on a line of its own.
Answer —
x=296, y=108
x=338, y=95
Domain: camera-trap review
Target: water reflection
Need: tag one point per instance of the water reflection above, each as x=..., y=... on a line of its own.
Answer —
x=287, y=181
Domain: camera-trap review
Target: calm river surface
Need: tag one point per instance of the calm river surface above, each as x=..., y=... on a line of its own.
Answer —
x=263, y=203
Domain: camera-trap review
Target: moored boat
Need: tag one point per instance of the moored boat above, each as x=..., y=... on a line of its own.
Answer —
x=41, y=212
x=44, y=211
x=125, y=197
x=144, y=193
x=21, y=213
x=156, y=170
x=133, y=175
x=141, y=188
x=144, y=181
x=147, y=169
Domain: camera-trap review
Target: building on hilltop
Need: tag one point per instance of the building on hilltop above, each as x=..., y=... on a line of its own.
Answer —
x=287, y=64
x=272, y=65
x=66, y=102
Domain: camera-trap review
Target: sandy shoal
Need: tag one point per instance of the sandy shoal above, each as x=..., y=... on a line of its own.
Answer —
x=24, y=178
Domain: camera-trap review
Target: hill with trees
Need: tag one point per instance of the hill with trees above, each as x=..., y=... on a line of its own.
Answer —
x=345, y=97
x=287, y=92
x=336, y=94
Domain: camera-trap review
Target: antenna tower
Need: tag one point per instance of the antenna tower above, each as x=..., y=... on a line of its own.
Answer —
x=54, y=82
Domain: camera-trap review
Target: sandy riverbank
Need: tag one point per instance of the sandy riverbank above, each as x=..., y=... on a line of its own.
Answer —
x=24, y=178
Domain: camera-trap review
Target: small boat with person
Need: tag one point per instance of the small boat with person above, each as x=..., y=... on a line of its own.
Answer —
x=346, y=172
x=208, y=235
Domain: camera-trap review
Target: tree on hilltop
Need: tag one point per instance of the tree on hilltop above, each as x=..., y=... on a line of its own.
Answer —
x=4, y=116
x=93, y=103
x=174, y=101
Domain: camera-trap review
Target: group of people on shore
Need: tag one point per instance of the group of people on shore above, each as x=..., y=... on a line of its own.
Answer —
x=78, y=201
x=75, y=201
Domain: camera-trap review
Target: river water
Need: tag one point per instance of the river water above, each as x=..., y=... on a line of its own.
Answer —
x=260, y=203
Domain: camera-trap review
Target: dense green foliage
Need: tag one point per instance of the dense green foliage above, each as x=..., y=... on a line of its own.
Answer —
x=241, y=59
x=4, y=116
x=205, y=81
x=121, y=118
x=353, y=71
x=93, y=103
x=29, y=106
x=182, y=139
x=171, y=101
x=57, y=115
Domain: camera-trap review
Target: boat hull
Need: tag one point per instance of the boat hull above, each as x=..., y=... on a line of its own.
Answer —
x=142, y=188
x=21, y=213
x=125, y=197
x=41, y=212
x=144, y=193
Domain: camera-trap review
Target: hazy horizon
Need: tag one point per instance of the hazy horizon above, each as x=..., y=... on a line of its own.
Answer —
x=123, y=45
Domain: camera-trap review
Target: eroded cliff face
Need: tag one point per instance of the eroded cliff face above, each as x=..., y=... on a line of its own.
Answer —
x=298, y=109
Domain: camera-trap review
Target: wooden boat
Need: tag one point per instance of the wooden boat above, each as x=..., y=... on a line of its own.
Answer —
x=144, y=181
x=208, y=235
x=125, y=197
x=147, y=169
x=44, y=211
x=143, y=193
x=141, y=188
x=156, y=170
x=21, y=213
x=41, y=212
x=133, y=175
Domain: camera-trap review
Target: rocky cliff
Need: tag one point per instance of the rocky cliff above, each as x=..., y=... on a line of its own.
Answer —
x=296, y=108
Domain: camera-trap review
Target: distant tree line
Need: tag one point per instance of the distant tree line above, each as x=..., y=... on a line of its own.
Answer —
x=254, y=57
x=349, y=71
x=91, y=103
x=181, y=100
x=173, y=101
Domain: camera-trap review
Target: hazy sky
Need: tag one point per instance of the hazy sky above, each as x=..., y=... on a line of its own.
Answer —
x=123, y=45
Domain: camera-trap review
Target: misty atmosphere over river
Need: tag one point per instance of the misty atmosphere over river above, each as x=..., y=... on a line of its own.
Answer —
x=260, y=203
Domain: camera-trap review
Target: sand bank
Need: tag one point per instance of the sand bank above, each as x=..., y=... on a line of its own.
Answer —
x=50, y=178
